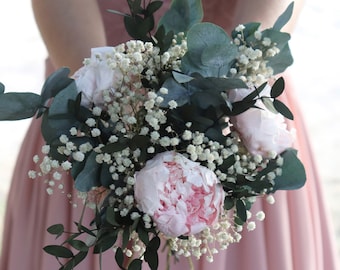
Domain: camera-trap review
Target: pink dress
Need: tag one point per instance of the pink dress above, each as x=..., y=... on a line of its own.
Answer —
x=294, y=236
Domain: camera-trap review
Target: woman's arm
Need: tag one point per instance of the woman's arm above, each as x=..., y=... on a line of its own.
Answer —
x=69, y=28
x=265, y=11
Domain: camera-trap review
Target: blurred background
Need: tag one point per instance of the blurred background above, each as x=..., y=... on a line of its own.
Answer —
x=315, y=49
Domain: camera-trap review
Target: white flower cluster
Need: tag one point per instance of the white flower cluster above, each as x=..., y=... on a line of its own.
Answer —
x=251, y=65
x=213, y=239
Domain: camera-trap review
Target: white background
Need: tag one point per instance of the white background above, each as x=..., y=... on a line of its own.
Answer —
x=315, y=49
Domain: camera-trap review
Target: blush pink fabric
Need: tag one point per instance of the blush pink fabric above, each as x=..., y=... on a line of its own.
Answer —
x=295, y=235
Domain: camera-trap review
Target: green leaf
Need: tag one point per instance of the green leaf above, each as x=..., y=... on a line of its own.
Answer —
x=139, y=27
x=105, y=175
x=136, y=264
x=281, y=61
x=228, y=203
x=255, y=93
x=293, y=172
x=277, y=88
x=182, y=15
x=135, y=6
x=241, y=210
x=164, y=39
x=111, y=216
x=59, y=105
x=153, y=7
x=151, y=254
x=116, y=147
x=57, y=229
x=143, y=235
x=2, y=88
x=284, y=17
x=216, y=84
x=55, y=83
x=58, y=251
x=119, y=256
x=17, y=105
x=283, y=109
x=181, y=77
x=79, y=245
x=206, y=99
x=107, y=240
x=78, y=258
x=176, y=91
x=239, y=107
x=89, y=176
x=268, y=102
x=210, y=51
x=218, y=58
x=82, y=228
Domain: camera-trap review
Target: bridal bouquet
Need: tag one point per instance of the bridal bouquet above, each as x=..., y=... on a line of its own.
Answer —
x=169, y=137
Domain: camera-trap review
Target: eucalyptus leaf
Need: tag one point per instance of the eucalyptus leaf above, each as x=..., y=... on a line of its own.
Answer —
x=55, y=83
x=139, y=27
x=182, y=15
x=82, y=228
x=79, y=245
x=78, y=258
x=153, y=7
x=277, y=88
x=239, y=107
x=18, y=105
x=255, y=93
x=241, y=210
x=284, y=17
x=2, y=88
x=206, y=99
x=203, y=41
x=283, y=109
x=119, y=256
x=88, y=177
x=111, y=216
x=136, y=264
x=281, y=61
x=218, y=59
x=248, y=31
x=176, y=92
x=228, y=203
x=58, y=251
x=143, y=235
x=105, y=175
x=293, y=173
x=181, y=78
x=151, y=254
x=268, y=102
x=216, y=84
x=115, y=147
x=105, y=243
x=135, y=6
x=57, y=229
x=62, y=116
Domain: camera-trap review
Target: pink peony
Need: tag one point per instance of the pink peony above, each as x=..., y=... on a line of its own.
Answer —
x=261, y=130
x=93, y=78
x=180, y=195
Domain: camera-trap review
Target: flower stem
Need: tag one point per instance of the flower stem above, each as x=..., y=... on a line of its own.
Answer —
x=191, y=263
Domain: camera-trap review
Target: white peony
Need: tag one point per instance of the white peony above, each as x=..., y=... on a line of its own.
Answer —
x=96, y=76
x=261, y=130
